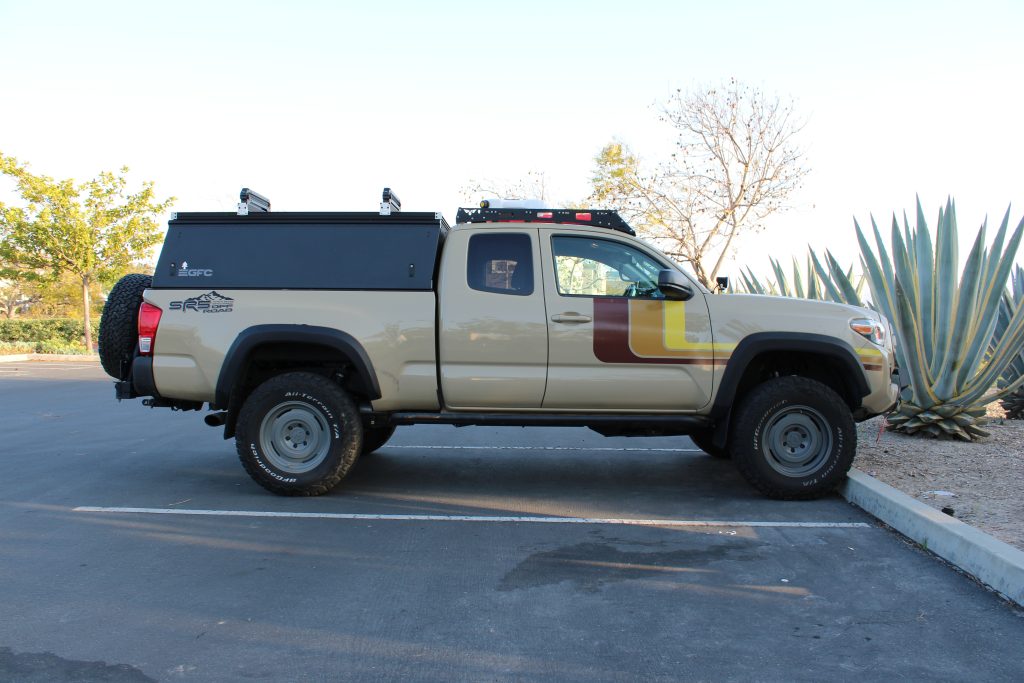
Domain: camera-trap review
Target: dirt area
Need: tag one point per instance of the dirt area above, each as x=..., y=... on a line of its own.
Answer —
x=982, y=482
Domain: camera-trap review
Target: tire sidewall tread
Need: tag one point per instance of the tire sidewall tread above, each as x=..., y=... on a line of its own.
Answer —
x=118, y=333
x=345, y=427
x=748, y=433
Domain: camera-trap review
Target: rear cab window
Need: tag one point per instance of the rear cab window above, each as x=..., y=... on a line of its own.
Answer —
x=501, y=263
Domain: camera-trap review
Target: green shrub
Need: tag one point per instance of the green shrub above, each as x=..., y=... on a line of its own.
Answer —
x=66, y=330
x=59, y=347
x=12, y=348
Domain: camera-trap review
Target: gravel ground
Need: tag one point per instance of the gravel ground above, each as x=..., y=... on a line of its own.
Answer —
x=981, y=481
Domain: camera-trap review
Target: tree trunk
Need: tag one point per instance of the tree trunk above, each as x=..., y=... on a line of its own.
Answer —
x=88, y=321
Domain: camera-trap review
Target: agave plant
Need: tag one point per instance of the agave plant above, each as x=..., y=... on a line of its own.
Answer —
x=946, y=327
x=828, y=284
x=1013, y=301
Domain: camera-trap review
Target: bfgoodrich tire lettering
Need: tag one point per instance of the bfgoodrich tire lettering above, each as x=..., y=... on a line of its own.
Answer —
x=119, y=325
x=298, y=434
x=793, y=438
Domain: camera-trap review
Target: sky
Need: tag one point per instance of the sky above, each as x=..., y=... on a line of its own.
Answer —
x=319, y=105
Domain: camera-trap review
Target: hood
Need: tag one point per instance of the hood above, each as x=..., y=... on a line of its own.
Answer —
x=769, y=303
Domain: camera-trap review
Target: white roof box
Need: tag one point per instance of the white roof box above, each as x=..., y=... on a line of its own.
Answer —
x=513, y=204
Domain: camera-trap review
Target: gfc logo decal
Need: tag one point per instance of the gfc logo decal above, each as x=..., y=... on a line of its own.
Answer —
x=653, y=331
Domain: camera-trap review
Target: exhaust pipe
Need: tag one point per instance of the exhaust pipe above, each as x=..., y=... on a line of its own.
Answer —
x=216, y=419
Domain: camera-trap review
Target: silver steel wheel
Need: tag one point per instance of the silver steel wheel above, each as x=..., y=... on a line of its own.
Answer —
x=797, y=441
x=295, y=437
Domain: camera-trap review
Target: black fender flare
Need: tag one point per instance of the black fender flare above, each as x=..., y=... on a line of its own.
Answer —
x=753, y=345
x=252, y=337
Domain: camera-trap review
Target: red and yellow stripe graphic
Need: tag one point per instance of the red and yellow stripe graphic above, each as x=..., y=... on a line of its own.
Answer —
x=646, y=331
x=659, y=331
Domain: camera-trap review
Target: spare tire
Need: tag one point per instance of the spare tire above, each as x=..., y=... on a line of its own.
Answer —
x=119, y=325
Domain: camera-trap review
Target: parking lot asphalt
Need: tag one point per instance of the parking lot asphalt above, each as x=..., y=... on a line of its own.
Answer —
x=669, y=567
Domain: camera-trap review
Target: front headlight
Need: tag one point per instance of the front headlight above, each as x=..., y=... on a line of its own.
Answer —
x=872, y=330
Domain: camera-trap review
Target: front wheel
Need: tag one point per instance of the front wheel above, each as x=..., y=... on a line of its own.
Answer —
x=793, y=438
x=298, y=434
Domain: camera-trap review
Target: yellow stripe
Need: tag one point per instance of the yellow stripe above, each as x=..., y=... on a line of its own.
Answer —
x=646, y=325
x=675, y=331
x=657, y=329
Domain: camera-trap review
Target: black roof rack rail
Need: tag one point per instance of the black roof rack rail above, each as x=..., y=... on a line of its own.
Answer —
x=598, y=218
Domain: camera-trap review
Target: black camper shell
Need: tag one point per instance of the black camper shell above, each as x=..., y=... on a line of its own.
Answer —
x=301, y=250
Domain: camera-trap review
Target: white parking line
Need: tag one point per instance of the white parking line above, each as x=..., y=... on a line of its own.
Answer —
x=547, y=448
x=474, y=518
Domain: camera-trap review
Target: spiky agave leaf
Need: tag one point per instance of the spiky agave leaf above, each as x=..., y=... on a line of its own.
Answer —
x=1012, y=300
x=780, y=278
x=822, y=284
x=751, y=283
x=946, y=327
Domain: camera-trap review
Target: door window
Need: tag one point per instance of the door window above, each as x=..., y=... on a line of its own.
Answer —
x=586, y=266
x=501, y=263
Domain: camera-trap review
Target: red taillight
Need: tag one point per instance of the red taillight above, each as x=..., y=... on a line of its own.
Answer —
x=545, y=214
x=149, y=320
x=583, y=217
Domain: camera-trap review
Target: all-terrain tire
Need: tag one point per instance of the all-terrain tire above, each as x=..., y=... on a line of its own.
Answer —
x=119, y=324
x=703, y=441
x=375, y=437
x=298, y=434
x=793, y=438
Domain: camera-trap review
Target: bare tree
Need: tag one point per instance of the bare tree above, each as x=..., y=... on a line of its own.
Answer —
x=533, y=186
x=735, y=162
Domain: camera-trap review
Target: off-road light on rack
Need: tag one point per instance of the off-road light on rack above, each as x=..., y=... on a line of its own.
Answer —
x=598, y=218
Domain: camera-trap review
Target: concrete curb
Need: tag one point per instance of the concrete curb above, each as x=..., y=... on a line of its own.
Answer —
x=25, y=357
x=996, y=564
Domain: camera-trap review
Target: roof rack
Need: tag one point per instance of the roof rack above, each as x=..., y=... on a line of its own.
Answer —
x=598, y=218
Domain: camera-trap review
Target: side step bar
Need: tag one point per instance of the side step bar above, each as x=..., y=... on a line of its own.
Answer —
x=682, y=423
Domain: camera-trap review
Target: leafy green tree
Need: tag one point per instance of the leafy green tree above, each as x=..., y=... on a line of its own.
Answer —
x=92, y=230
x=13, y=298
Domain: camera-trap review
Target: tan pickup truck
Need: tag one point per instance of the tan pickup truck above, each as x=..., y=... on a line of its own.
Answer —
x=311, y=336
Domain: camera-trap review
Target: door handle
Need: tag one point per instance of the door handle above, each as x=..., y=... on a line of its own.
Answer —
x=570, y=318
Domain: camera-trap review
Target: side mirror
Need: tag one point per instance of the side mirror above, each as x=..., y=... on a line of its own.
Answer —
x=674, y=286
x=722, y=282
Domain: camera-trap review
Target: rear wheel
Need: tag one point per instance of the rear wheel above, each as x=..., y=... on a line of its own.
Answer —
x=704, y=441
x=375, y=438
x=793, y=438
x=119, y=324
x=298, y=434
